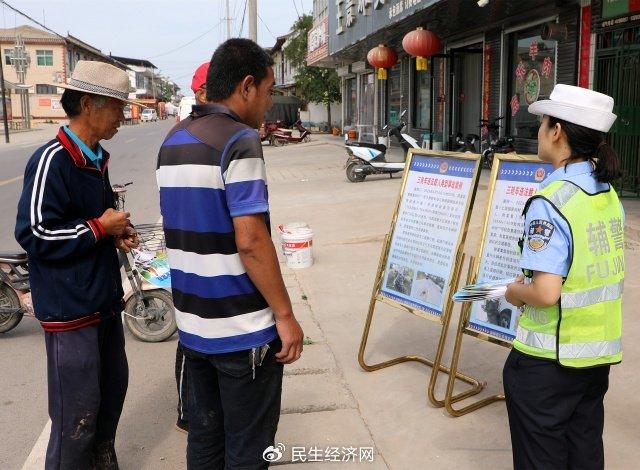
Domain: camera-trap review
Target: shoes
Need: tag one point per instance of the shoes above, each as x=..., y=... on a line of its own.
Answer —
x=104, y=457
x=182, y=425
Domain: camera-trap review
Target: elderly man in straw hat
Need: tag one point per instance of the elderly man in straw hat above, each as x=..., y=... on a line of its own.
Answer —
x=69, y=228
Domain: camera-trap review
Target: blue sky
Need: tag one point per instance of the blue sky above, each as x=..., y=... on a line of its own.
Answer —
x=150, y=29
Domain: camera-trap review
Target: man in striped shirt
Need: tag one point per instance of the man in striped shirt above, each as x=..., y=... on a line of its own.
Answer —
x=235, y=319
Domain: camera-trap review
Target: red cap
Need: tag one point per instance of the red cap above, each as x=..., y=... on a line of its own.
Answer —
x=200, y=77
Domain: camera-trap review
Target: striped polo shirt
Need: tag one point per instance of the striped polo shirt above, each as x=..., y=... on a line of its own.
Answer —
x=210, y=170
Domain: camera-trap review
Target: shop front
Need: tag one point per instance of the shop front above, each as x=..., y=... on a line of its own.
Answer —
x=359, y=99
x=494, y=62
x=617, y=73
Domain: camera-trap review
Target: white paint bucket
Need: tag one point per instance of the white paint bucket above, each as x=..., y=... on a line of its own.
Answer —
x=297, y=244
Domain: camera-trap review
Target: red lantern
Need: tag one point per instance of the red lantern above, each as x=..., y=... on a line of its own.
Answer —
x=421, y=44
x=382, y=58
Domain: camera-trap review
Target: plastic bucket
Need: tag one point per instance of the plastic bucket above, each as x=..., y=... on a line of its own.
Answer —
x=297, y=244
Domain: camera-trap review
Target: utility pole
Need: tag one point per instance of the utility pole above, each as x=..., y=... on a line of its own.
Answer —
x=228, y=19
x=253, y=20
x=5, y=118
x=21, y=61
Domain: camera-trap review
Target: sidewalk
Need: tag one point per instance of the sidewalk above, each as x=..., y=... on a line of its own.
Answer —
x=330, y=401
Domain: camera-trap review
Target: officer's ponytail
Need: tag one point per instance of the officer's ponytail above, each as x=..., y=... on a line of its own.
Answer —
x=590, y=144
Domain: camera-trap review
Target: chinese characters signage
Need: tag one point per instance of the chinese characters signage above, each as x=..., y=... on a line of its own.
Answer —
x=425, y=239
x=348, y=15
x=515, y=183
x=318, y=42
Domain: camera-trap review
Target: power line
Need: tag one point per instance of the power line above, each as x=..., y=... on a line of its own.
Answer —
x=243, y=14
x=30, y=18
x=266, y=26
x=182, y=76
x=188, y=43
x=296, y=7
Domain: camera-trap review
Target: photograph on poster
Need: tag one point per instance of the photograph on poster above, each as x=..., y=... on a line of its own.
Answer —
x=428, y=288
x=516, y=182
x=423, y=245
x=400, y=279
x=497, y=312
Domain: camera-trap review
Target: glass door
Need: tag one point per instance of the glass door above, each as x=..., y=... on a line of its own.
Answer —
x=465, y=92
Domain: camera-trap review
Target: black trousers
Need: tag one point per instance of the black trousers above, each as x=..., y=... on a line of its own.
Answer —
x=233, y=417
x=87, y=378
x=182, y=384
x=556, y=414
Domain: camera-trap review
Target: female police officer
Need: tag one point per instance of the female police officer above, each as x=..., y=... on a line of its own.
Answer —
x=569, y=333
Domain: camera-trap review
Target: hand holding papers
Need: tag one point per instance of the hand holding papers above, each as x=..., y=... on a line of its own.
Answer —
x=483, y=291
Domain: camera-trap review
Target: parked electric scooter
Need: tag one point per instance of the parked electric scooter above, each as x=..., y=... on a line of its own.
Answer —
x=369, y=159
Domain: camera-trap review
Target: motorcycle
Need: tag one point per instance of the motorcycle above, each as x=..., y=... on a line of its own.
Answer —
x=148, y=307
x=15, y=293
x=495, y=144
x=281, y=136
x=466, y=144
x=267, y=129
x=369, y=159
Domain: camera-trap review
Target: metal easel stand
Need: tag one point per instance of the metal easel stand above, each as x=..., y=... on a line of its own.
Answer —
x=436, y=363
x=450, y=399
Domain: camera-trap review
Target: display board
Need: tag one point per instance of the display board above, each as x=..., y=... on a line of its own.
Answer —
x=428, y=230
x=514, y=180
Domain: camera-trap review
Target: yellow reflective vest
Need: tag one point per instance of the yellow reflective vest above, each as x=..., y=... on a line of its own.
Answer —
x=584, y=328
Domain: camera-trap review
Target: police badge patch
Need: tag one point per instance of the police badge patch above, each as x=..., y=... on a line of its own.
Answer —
x=539, y=234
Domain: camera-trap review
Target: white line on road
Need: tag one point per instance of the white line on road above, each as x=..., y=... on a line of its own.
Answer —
x=35, y=460
x=11, y=180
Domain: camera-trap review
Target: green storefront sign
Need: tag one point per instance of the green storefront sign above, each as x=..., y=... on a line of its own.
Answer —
x=613, y=8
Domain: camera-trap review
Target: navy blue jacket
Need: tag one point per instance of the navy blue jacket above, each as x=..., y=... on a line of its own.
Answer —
x=73, y=264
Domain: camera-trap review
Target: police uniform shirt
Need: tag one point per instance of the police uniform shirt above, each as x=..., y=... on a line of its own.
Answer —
x=547, y=238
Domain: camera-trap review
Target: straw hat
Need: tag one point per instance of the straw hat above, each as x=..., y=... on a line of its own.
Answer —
x=100, y=78
x=578, y=105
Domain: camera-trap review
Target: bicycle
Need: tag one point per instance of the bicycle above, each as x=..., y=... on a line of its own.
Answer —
x=148, y=310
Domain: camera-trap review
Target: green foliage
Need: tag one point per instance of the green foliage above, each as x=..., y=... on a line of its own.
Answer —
x=314, y=84
x=318, y=85
x=296, y=50
x=165, y=91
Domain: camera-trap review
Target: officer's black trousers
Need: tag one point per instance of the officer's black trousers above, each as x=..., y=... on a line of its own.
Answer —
x=556, y=414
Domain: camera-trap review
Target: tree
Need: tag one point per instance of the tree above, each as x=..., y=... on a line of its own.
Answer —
x=165, y=91
x=314, y=84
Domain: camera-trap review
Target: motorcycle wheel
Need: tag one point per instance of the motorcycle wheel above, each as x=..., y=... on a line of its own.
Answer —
x=352, y=175
x=151, y=330
x=9, y=300
x=307, y=138
x=278, y=142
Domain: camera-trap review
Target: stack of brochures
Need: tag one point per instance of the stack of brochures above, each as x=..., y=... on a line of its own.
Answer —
x=483, y=291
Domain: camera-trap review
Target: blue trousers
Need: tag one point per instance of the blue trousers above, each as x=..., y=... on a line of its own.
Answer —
x=87, y=379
